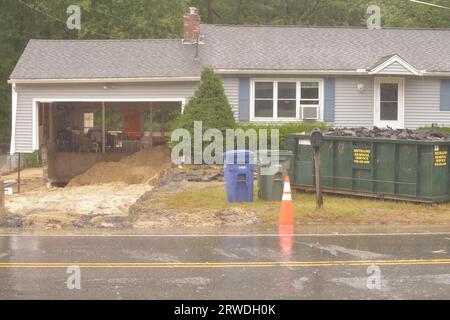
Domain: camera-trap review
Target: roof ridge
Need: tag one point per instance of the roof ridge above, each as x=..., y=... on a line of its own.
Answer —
x=320, y=27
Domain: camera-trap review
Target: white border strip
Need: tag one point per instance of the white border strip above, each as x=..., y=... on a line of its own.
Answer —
x=13, y=124
x=392, y=60
x=289, y=72
x=318, y=72
x=105, y=80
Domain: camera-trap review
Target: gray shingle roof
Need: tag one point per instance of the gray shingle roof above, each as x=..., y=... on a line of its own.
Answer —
x=85, y=59
x=235, y=47
x=303, y=48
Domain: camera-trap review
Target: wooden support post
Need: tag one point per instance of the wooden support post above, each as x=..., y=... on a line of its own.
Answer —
x=103, y=128
x=18, y=176
x=44, y=157
x=2, y=197
x=316, y=139
x=51, y=129
x=319, y=197
x=151, y=124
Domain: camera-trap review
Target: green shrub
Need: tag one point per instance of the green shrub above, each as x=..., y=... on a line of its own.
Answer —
x=209, y=105
x=284, y=129
x=434, y=128
x=29, y=160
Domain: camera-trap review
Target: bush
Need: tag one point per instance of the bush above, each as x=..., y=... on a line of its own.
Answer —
x=435, y=128
x=284, y=129
x=29, y=160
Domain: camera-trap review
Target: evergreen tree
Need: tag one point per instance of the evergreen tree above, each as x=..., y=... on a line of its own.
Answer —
x=209, y=105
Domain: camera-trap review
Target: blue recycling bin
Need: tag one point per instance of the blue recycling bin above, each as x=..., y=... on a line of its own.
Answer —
x=239, y=165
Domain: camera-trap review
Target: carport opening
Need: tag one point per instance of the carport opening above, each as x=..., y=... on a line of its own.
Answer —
x=105, y=127
x=76, y=136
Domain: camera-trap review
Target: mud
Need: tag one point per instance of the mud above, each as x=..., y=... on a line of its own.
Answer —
x=120, y=205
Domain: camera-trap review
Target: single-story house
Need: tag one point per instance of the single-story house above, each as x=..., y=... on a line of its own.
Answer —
x=347, y=76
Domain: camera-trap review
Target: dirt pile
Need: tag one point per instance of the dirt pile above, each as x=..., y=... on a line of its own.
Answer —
x=389, y=133
x=138, y=168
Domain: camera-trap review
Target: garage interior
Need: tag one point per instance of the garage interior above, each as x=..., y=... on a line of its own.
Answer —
x=74, y=136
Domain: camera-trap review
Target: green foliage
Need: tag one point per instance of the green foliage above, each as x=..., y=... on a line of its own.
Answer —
x=209, y=105
x=438, y=129
x=31, y=160
x=395, y=13
x=284, y=129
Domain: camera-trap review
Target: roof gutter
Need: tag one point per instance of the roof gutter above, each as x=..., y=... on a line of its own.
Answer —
x=437, y=74
x=288, y=72
x=316, y=72
x=219, y=71
x=103, y=80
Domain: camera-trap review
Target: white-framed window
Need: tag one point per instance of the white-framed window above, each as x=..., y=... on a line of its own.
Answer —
x=286, y=99
x=310, y=100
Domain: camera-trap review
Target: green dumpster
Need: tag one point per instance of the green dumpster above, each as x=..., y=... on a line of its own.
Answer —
x=412, y=170
x=270, y=186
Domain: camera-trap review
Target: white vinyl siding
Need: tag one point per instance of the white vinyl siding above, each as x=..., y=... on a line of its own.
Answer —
x=354, y=108
x=394, y=68
x=422, y=103
x=231, y=86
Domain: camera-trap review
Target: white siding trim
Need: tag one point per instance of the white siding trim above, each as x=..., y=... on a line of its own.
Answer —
x=290, y=72
x=395, y=60
x=400, y=123
x=35, y=125
x=103, y=80
x=50, y=100
x=13, y=125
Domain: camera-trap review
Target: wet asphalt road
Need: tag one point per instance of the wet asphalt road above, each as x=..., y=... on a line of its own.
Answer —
x=410, y=266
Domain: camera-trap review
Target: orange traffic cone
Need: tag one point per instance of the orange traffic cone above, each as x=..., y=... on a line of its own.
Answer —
x=287, y=210
x=286, y=241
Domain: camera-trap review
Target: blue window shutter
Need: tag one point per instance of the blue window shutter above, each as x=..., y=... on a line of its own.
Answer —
x=445, y=95
x=330, y=100
x=244, y=99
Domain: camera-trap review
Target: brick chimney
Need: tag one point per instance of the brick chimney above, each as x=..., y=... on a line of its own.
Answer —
x=191, y=26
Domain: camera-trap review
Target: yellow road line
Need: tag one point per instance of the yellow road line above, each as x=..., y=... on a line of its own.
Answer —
x=293, y=264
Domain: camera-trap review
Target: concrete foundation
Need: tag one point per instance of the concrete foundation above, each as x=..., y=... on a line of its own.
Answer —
x=64, y=166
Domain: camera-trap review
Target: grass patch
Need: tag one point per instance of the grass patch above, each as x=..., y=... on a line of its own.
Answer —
x=336, y=209
x=438, y=129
